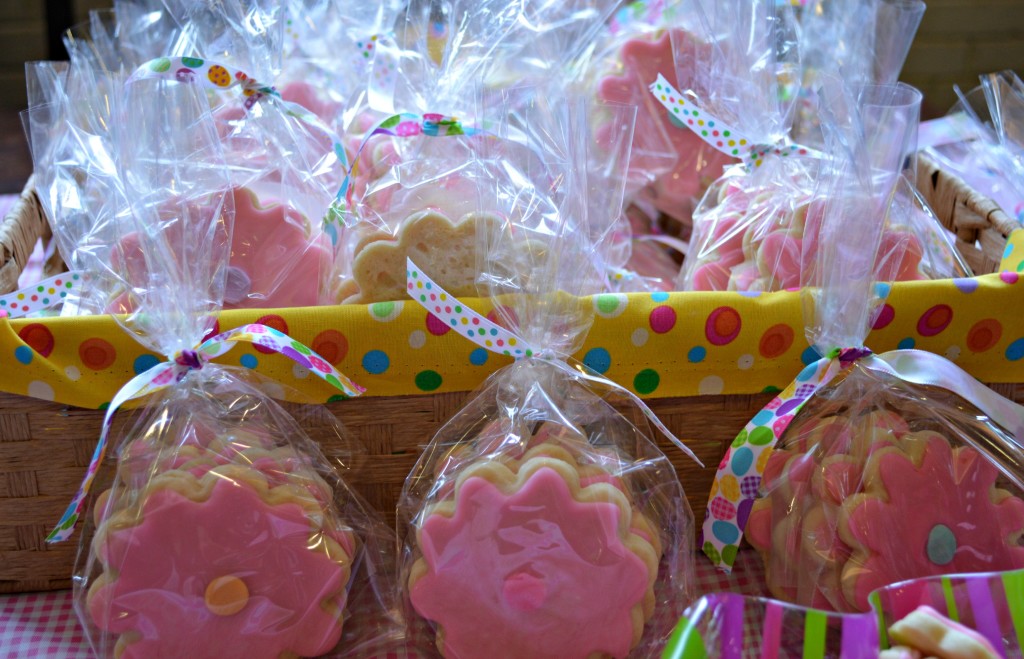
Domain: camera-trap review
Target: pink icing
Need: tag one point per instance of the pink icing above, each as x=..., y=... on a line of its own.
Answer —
x=697, y=164
x=165, y=563
x=950, y=488
x=534, y=573
x=779, y=259
x=310, y=98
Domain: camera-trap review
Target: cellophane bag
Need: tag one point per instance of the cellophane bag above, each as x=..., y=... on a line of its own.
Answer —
x=282, y=158
x=891, y=470
x=225, y=530
x=540, y=521
x=671, y=167
x=983, y=140
x=746, y=227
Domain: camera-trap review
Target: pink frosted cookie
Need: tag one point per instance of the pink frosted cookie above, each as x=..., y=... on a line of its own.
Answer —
x=696, y=164
x=928, y=509
x=532, y=563
x=222, y=565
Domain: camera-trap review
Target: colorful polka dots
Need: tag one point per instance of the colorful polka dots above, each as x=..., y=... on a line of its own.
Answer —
x=662, y=319
x=41, y=390
x=385, y=311
x=598, y=360
x=428, y=380
x=1015, y=351
x=331, y=345
x=906, y=343
x=417, y=339
x=478, y=357
x=23, y=354
x=776, y=340
x=436, y=326
x=97, y=354
x=639, y=337
x=984, y=335
x=934, y=320
x=646, y=381
x=712, y=385
x=1009, y=277
x=38, y=337
x=274, y=322
x=144, y=362
x=376, y=362
x=966, y=285
x=696, y=354
x=610, y=305
x=249, y=361
x=809, y=356
x=723, y=326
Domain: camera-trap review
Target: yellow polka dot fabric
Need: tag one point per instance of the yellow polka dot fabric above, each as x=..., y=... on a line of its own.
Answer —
x=658, y=345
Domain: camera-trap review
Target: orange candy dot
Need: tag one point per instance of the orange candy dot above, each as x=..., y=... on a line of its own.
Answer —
x=38, y=337
x=776, y=340
x=723, y=325
x=984, y=335
x=331, y=345
x=226, y=596
x=97, y=354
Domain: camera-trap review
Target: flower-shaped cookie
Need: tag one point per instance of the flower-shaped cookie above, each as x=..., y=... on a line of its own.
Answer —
x=696, y=164
x=532, y=564
x=273, y=261
x=222, y=565
x=928, y=509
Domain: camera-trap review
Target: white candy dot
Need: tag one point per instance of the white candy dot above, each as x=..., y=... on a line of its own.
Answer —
x=745, y=362
x=417, y=339
x=300, y=372
x=73, y=373
x=711, y=385
x=952, y=353
x=272, y=389
x=39, y=389
x=640, y=336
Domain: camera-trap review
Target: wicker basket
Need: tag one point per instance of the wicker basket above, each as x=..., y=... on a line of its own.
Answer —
x=45, y=447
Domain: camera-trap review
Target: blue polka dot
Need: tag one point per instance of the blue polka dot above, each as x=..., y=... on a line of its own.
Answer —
x=763, y=417
x=906, y=344
x=248, y=361
x=810, y=355
x=23, y=354
x=697, y=354
x=742, y=458
x=725, y=532
x=376, y=362
x=598, y=359
x=1015, y=350
x=478, y=357
x=882, y=290
x=660, y=296
x=1008, y=250
x=143, y=363
x=807, y=373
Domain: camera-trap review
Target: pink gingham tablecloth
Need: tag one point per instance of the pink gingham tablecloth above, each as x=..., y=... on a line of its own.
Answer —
x=44, y=624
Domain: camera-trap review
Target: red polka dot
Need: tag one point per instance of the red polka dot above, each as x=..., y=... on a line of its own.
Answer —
x=935, y=320
x=885, y=316
x=984, y=335
x=723, y=326
x=97, y=354
x=213, y=331
x=331, y=345
x=663, y=319
x=436, y=326
x=271, y=321
x=776, y=340
x=38, y=337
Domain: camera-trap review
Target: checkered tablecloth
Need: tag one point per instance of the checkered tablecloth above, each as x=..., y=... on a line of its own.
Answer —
x=44, y=624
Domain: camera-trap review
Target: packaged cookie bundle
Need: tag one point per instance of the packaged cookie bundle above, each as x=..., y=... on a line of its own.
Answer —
x=225, y=530
x=869, y=469
x=540, y=521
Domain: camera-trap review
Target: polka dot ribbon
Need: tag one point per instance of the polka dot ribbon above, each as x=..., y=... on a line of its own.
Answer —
x=208, y=74
x=738, y=479
x=41, y=296
x=171, y=372
x=491, y=336
x=720, y=135
x=403, y=124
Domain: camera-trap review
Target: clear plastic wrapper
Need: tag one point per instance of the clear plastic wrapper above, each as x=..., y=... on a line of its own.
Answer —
x=984, y=143
x=225, y=530
x=540, y=520
x=900, y=466
x=967, y=615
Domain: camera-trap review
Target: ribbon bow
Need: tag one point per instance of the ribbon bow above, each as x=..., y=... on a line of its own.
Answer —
x=738, y=479
x=719, y=134
x=173, y=371
x=491, y=336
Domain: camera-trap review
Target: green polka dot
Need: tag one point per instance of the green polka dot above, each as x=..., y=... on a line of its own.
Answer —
x=771, y=389
x=40, y=289
x=1020, y=267
x=711, y=552
x=332, y=380
x=160, y=65
x=71, y=521
x=301, y=348
x=104, y=406
x=67, y=285
x=192, y=62
x=741, y=439
x=336, y=398
x=382, y=309
x=646, y=381
x=428, y=380
x=761, y=436
x=607, y=303
x=941, y=546
x=729, y=554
